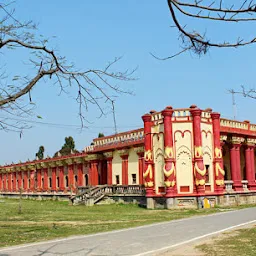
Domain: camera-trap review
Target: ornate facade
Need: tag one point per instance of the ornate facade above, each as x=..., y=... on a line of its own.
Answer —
x=179, y=153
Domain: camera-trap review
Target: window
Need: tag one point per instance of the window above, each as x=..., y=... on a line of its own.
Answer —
x=58, y=182
x=76, y=179
x=50, y=182
x=207, y=179
x=117, y=180
x=134, y=179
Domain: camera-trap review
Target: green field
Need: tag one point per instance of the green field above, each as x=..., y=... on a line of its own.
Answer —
x=44, y=220
x=240, y=242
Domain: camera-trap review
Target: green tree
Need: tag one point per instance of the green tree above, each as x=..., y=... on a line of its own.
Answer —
x=42, y=62
x=101, y=135
x=40, y=153
x=68, y=147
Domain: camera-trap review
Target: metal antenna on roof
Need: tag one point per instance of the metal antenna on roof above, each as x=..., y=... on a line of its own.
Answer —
x=233, y=103
x=114, y=115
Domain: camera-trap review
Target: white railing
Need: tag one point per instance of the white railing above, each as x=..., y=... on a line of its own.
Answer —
x=228, y=185
x=245, y=185
x=122, y=138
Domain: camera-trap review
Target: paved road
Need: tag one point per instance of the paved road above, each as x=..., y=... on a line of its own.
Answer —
x=147, y=240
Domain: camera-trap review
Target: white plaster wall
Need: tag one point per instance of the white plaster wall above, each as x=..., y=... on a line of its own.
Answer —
x=133, y=166
x=183, y=139
x=208, y=149
x=158, y=157
x=116, y=167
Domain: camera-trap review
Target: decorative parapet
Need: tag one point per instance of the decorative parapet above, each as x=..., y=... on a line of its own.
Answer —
x=223, y=137
x=118, y=139
x=89, y=148
x=58, y=163
x=108, y=154
x=78, y=160
x=44, y=165
x=93, y=157
x=68, y=161
x=139, y=150
x=250, y=141
x=237, y=140
x=31, y=167
x=234, y=124
x=123, y=152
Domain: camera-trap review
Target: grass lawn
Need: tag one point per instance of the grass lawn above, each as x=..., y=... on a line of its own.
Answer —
x=240, y=242
x=44, y=220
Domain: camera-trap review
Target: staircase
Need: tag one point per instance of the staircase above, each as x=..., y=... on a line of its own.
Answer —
x=89, y=196
x=92, y=195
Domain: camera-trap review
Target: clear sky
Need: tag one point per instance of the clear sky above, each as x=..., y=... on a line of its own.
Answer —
x=91, y=33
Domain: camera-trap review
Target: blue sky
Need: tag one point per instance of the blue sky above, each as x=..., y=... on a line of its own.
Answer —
x=91, y=33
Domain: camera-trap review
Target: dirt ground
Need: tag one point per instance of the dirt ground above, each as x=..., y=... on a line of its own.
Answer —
x=190, y=250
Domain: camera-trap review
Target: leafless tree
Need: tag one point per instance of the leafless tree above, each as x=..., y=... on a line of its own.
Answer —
x=92, y=86
x=195, y=18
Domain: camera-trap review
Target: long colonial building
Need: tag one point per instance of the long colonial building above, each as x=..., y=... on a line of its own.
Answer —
x=179, y=153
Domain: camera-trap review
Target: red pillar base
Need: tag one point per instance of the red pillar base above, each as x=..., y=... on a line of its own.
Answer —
x=200, y=189
x=219, y=190
x=251, y=185
x=170, y=192
x=150, y=192
x=237, y=186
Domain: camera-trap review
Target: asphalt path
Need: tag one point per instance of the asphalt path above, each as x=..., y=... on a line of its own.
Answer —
x=146, y=240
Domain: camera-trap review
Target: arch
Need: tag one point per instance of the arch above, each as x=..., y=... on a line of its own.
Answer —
x=58, y=182
x=183, y=150
x=66, y=181
x=86, y=180
x=50, y=182
x=184, y=168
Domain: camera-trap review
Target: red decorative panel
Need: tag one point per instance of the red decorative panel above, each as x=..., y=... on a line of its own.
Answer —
x=161, y=189
x=208, y=188
x=184, y=188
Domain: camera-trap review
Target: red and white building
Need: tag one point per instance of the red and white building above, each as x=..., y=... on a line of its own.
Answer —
x=179, y=155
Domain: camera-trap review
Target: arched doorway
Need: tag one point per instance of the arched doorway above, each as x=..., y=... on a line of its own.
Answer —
x=86, y=180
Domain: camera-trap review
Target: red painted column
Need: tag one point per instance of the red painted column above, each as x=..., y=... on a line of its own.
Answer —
x=19, y=180
x=61, y=178
x=25, y=177
x=39, y=180
x=148, y=174
x=109, y=170
x=140, y=163
x=235, y=166
x=1, y=181
x=249, y=166
x=14, y=181
x=32, y=180
x=45, y=170
x=9, y=182
x=93, y=173
x=124, y=169
x=71, y=176
x=169, y=167
x=80, y=175
x=199, y=168
x=54, y=180
x=218, y=160
x=5, y=179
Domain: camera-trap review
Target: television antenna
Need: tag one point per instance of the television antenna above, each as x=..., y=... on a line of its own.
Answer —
x=233, y=103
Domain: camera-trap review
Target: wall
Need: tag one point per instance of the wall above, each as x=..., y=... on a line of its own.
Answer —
x=183, y=140
x=133, y=166
x=116, y=167
x=207, y=147
x=158, y=155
